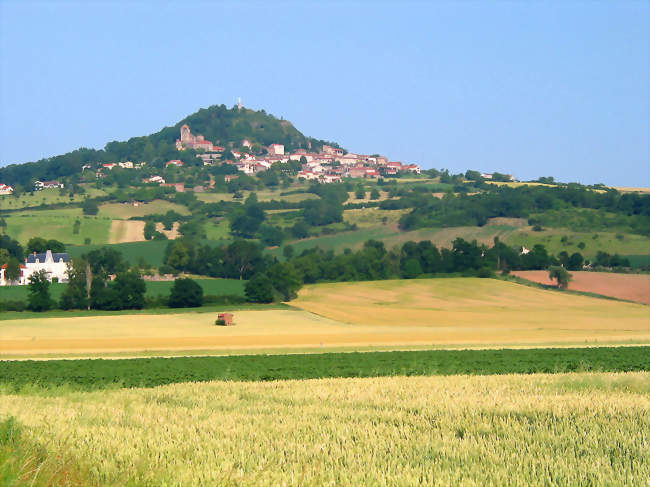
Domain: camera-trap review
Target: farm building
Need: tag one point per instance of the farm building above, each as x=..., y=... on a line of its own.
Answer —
x=226, y=318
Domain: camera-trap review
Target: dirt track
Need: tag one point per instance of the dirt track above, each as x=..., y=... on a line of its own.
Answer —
x=633, y=287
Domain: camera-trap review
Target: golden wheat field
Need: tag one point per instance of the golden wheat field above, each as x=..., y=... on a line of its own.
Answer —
x=419, y=312
x=564, y=429
x=472, y=310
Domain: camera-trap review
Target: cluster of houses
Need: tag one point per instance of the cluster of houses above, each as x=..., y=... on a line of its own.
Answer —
x=55, y=264
x=329, y=165
x=5, y=189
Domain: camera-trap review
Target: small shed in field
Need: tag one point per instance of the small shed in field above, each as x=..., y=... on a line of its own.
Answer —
x=226, y=318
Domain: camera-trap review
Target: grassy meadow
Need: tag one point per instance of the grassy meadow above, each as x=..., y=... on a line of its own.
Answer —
x=371, y=227
x=124, y=211
x=213, y=287
x=47, y=197
x=58, y=225
x=610, y=242
x=561, y=429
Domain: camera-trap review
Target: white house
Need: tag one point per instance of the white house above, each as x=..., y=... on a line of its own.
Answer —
x=21, y=279
x=38, y=185
x=56, y=265
x=6, y=189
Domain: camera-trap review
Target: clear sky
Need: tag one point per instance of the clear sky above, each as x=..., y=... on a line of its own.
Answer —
x=529, y=88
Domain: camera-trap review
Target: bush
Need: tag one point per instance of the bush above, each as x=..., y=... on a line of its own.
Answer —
x=166, y=269
x=90, y=207
x=186, y=293
x=220, y=322
x=485, y=272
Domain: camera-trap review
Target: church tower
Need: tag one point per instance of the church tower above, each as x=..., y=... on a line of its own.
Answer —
x=186, y=134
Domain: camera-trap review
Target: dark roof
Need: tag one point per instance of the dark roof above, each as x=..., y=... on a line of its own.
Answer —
x=31, y=258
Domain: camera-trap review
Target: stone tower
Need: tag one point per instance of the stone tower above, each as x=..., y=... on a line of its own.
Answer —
x=186, y=134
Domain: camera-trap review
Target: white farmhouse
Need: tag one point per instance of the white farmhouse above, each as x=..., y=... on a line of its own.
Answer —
x=56, y=265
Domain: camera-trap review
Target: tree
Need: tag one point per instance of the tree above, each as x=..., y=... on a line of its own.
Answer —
x=285, y=280
x=374, y=194
x=75, y=293
x=186, y=293
x=39, y=292
x=76, y=227
x=4, y=256
x=12, y=272
x=36, y=244
x=130, y=289
x=259, y=289
x=90, y=207
x=270, y=235
x=149, y=230
x=179, y=256
x=561, y=275
x=288, y=252
x=575, y=261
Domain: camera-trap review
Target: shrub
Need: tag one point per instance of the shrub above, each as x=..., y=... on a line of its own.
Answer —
x=186, y=293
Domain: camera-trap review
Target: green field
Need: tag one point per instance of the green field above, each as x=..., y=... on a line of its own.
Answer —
x=97, y=374
x=124, y=211
x=629, y=244
x=263, y=195
x=212, y=287
x=391, y=236
x=47, y=197
x=152, y=252
x=58, y=225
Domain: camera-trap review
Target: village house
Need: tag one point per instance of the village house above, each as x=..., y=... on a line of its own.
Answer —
x=335, y=151
x=154, y=179
x=39, y=185
x=5, y=282
x=276, y=149
x=6, y=189
x=54, y=264
x=174, y=162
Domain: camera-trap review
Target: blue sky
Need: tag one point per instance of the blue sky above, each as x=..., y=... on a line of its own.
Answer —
x=528, y=88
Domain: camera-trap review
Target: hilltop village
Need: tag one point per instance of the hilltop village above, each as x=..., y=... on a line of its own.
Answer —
x=329, y=165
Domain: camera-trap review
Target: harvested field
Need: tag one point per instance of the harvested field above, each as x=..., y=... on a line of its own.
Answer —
x=123, y=231
x=472, y=310
x=444, y=312
x=632, y=287
x=576, y=429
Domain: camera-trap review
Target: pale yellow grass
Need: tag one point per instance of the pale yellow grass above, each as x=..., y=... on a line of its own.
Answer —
x=565, y=429
x=170, y=234
x=632, y=190
x=472, y=310
x=126, y=231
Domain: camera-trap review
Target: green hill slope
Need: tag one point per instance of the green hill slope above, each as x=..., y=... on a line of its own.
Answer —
x=219, y=124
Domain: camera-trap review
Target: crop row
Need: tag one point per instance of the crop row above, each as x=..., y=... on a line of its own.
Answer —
x=95, y=374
